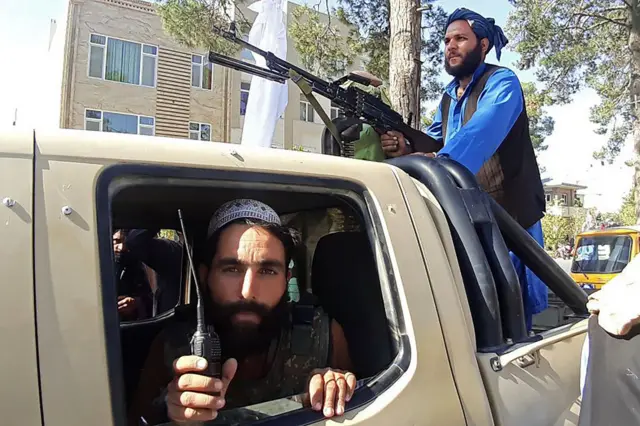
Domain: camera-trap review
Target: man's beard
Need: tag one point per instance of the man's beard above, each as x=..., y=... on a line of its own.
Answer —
x=239, y=340
x=468, y=65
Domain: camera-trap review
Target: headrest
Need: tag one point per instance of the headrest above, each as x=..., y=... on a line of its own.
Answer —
x=342, y=257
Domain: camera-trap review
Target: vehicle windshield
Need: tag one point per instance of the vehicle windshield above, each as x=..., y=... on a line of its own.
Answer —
x=603, y=254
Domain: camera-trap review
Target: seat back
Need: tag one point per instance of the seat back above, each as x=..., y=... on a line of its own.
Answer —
x=345, y=280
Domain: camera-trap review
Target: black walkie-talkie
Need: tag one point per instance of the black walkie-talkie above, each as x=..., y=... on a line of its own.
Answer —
x=205, y=342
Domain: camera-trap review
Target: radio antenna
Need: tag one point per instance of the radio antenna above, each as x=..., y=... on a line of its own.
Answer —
x=205, y=342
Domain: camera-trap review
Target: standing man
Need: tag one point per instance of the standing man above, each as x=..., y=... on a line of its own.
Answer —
x=482, y=122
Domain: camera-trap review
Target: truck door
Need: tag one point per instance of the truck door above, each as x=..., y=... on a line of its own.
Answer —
x=85, y=179
x=20, y=403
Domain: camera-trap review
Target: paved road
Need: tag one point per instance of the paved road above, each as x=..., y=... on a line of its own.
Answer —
x=565, y=264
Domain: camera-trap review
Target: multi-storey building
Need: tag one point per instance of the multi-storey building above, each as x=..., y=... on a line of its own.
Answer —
x=123, y=73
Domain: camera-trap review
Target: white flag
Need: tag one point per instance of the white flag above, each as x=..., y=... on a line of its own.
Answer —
x=267, y=99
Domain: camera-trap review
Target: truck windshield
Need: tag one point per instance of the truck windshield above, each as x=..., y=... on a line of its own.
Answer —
x=602, y=254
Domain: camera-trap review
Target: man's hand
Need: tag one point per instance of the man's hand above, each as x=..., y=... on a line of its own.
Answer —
x=195, y=397
x=330, y=389
x=126, y=306
x=393, y=144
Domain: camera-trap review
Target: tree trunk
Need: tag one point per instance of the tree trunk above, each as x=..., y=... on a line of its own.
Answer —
x=404, y=58
x=634, y=47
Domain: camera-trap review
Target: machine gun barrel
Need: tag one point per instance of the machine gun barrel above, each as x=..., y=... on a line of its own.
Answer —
x=353, y=100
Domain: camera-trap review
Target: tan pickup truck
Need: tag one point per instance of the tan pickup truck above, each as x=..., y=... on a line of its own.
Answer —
x=419, y=280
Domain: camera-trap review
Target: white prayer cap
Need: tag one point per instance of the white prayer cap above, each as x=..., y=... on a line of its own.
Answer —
x=243, y=208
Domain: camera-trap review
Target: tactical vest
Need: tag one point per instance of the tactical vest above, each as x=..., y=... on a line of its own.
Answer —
x=303, y=345
x=511, y=176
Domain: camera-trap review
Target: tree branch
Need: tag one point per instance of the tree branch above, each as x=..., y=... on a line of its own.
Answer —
x=604, y=18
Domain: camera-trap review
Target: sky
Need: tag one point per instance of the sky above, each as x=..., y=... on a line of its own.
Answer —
x=30, y=82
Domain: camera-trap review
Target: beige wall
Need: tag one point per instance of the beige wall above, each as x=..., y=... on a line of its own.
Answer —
x=107, y=18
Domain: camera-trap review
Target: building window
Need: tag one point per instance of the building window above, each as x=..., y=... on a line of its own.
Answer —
x=115, y=122
x=200, y=131
x=201, y=72
x=336, y=111
x=564, y=199
x=244, y=96
x=122, y=61
x=547, y=197
x=306, y=110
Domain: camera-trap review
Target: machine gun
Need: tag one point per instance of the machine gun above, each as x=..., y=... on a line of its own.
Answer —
x=354, y=102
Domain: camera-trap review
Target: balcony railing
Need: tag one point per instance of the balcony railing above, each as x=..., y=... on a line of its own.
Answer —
x=565, y=211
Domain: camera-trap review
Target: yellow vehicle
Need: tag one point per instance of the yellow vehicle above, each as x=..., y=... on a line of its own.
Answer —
x=435, y=326
x=600, y=255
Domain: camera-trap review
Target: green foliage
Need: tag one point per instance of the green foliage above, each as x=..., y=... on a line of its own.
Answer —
x=323, y=48
x=627, y=213
x=427, y=119
x=540, y=124
x=192, y=23
x=368, y=36
x=575, y=44
x=557, y=230
x=169, y=234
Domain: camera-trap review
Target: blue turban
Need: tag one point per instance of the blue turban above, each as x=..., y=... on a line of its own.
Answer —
x=482, y=27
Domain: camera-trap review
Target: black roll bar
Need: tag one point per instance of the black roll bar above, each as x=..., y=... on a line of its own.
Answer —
x=525, y=247
x=529, y=251
x=507, y=282
x=476, y=271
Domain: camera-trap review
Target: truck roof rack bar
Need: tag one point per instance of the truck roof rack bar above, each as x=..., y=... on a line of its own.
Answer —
x=504, y=273
x=539, y=261
x=476, y=271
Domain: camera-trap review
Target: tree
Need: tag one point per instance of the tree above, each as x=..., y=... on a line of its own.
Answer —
x=404, y=57
x=540, y=124
x=324, y=48
x=596, y=44
x=369, y=36
x=627, y=214
x=557, y=230
x=426, y=119
x=192, y=23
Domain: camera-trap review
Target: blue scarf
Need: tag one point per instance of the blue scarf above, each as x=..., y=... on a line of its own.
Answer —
x=482, y=27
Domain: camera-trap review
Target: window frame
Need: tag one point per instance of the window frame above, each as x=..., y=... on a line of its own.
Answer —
x=203, y=60
x=338, y=111
x=242, y=90
x=200, y=124
x=112, y=179
x=101, y=125
x=104, y=60
x=307, y=106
